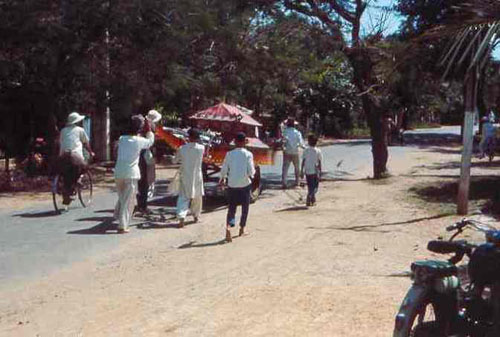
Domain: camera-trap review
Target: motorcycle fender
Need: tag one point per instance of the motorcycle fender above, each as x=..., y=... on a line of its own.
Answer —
x=414, y=297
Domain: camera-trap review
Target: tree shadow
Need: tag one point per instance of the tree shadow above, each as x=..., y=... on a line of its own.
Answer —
x=45, y=214
x=481, y=187
x=371, y=228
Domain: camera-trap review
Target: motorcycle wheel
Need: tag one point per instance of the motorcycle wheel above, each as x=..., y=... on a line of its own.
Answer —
x=423, y=321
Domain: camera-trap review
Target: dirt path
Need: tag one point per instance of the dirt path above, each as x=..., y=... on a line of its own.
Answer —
x=330, y=270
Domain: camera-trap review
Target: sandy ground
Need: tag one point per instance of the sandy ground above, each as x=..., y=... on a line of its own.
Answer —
x=330, y=270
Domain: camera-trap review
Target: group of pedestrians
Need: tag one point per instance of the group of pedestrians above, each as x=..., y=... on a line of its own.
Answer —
x=133, y=173
x=311, y=160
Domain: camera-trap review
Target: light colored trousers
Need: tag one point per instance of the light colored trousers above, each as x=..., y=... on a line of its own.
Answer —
x=127, y=190
x=184, y=204
x=287, y=159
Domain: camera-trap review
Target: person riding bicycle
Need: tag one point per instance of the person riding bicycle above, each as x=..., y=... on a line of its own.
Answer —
x=73, y=139
x=488, y=134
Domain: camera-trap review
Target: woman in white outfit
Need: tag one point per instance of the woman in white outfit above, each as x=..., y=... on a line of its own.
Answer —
x=127, y=172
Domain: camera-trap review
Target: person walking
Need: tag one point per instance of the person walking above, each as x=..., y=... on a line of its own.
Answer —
x=488, y=134
x=311, y=167
x=147, y=168
x=191, y=191
x=73, y=139
x=239, y=169
x=292, y=142
x=127, y=172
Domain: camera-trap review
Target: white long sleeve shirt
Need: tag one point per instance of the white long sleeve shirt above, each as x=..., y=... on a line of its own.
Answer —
x=129, y=150
x=293, y=140
x=238, y=167
x=190, y=156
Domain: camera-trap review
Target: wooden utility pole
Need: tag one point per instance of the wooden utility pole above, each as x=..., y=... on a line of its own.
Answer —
x=470, y=102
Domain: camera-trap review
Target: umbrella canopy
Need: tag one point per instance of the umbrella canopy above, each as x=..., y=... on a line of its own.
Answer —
x=225, y=113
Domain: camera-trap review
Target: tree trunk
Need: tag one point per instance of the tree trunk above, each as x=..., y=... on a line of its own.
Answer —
x=364, y=80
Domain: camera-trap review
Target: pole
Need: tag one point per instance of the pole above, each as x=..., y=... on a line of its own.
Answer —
x=470, y=102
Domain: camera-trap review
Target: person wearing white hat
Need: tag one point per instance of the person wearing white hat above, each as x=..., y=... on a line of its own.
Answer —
x=146, y=167
x=73, y=139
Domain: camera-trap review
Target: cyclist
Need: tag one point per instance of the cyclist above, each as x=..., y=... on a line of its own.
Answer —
x=73, y=139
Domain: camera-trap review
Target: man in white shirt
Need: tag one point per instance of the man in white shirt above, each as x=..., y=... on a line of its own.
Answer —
x=191, y=190
x=239, y=169
x=73, y=139
x=292, y=142
x=127, y=172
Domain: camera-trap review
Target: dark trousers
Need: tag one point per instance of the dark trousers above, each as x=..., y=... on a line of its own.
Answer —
x=235, y=197
x=312, y=187
x=147, y=178
x=71, y=166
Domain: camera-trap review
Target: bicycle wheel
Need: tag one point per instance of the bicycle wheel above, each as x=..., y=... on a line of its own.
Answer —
x=84, y=187
x=57, y=196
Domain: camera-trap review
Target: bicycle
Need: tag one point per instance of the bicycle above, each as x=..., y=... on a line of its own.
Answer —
x=83, y=188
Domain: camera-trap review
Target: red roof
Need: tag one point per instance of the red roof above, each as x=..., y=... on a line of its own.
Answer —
x=225, y=113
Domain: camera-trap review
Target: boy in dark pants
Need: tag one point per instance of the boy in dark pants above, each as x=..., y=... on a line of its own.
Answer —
x=311, y=167
x=239, y=169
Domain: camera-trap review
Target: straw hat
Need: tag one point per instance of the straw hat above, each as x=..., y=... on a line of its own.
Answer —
x=74, y=118
x=154, y=116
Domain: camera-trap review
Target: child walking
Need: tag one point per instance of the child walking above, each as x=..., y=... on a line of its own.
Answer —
x=311, y=167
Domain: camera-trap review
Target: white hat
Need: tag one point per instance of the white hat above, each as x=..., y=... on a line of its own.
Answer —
x=154, y=116
x=74, y=118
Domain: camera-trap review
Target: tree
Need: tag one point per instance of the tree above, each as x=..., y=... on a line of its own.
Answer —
x=342, y=21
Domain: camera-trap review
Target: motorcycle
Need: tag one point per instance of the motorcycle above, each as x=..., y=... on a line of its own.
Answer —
x=448, y=299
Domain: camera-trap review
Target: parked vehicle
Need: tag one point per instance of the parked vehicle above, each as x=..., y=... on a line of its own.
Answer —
x=447, y=299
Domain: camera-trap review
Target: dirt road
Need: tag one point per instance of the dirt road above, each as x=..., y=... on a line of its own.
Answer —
x=330, y=270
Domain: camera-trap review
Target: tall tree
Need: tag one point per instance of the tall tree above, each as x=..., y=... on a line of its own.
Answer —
x=342, y=20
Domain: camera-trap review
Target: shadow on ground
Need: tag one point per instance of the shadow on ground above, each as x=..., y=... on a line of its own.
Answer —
x=106, y=224
x=44, y=214
x=375, y=228
x=193, y=244
x=481, y=188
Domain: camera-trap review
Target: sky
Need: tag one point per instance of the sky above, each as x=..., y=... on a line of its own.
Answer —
x=376, y=10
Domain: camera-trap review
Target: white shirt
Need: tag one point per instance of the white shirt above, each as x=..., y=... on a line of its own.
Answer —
x=129, y=149
x=238, y=167
x=190, y=156
x=72, y=139
x=293, y=140
x=312, y=157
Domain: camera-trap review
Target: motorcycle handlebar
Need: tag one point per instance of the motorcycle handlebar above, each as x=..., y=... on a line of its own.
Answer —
x=446, y=247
